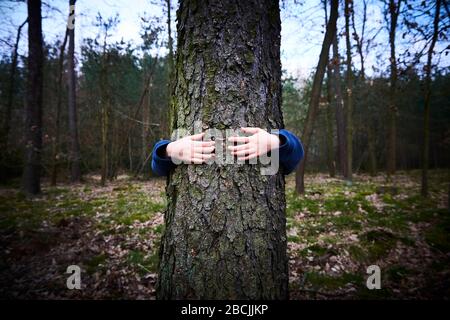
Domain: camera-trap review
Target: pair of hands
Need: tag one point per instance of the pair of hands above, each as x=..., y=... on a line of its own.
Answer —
x=192, y=149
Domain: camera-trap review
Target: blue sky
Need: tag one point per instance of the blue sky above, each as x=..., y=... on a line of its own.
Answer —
x=301, y=36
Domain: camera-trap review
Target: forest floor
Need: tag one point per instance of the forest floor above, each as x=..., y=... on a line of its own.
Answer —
x=334, y=233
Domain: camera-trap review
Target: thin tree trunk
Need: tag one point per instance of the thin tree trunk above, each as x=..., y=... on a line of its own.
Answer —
x=329, y=113
x=365, y=99
x=349, y=100
x=171, y=111
x=130, y=154
x=394, y=10
x=74, y=152
x=339, y=102
x=315, y=95
x=225, y=235
x=371, y=150
x=56, y=141
x=427, y=100
x=31, y=180
x=105, y=116
x=329, y=125
x=9, y=102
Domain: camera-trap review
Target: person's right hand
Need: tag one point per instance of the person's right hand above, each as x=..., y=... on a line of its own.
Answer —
x=191, y=149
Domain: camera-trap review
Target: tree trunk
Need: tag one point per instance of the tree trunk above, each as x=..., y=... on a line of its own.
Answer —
x=371, y=150
x=55, y=148
x=329, y=114
x=359, y=39
x=105, y=116
x=349, y=100
x=339, y=101
x=225, y=235
x=315, y=95
x=130, y=154
x=171, y=112
x=426, y=127
x=394, y=9
x=329, y=125
x=74, y=152
x=31, y=180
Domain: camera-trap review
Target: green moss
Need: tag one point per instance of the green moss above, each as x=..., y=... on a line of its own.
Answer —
x=374, y=245
x=326, y=282
x=397, y=273
x=143, y=262
x=438, y=236
x=295, y=239
x=95, y=263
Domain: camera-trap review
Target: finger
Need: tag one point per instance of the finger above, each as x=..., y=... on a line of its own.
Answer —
x=250, y=130
x=243, y=152
x=202, y=155
x=204, y=143
x=207, y=156
x=239, y=147
x=204, y=149
x=197, y=136
x=248, y=157
x=197, y=161
x=239, y=139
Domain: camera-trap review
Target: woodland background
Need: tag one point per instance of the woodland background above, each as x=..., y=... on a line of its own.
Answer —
x=377, y=174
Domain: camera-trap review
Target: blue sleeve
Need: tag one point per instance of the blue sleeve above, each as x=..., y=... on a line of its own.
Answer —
x=291, y=150
x=161, y=164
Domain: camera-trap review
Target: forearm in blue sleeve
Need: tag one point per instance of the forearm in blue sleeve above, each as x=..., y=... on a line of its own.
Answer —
x=291, y=150
x=161, y=164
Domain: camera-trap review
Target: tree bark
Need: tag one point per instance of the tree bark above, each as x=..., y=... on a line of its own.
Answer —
x=225, y=234
x=104, y=115
x=74, y=152
x=315, y=95
x=359, y=39
x=427, y=100
x=349, y=100
x=329, y=113
x=171, y=111
x=56, y=140
x=339, y=102
x=394, y=10
x=329, y=126
x=31, y=180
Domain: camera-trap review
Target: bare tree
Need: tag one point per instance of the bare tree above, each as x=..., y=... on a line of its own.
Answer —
x=392, y=14
x=74, y=151
x=427, y=99
x=329, y=112
x=330, y=33
x=56, y=140
x=339, y=109
x=360, y=42
x=349, y=96
x=31, y=180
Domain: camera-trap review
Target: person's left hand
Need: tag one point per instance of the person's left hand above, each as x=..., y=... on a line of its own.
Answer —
x=259, y=143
